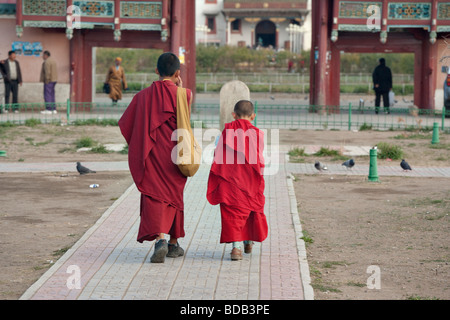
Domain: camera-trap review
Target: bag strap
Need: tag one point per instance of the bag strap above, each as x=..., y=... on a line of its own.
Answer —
x=182, y=106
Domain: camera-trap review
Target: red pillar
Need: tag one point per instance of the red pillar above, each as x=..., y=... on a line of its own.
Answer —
x=19, y=18
x=320, y=43
x=428, y=78
x=79, y=57
x=183, y=36
x=333, y=99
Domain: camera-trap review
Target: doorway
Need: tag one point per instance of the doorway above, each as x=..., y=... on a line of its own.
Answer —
x=139, y=66
x=356, y=76
x=265, y=34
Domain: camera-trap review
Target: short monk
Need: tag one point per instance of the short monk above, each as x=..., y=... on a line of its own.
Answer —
x=147, y=125
x=236, y=181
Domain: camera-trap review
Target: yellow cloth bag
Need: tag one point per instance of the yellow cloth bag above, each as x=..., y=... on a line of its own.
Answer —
x=189, y=152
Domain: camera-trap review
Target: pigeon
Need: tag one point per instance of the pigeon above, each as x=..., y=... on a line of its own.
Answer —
x=405, y=165
x=320, y=166
x=83, y=170
x=349, y=163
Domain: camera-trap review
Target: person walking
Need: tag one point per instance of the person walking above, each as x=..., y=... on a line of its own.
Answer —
x=147, y=125
x=12, y=77
x=49, y=76
x=382, y=84
x=116, y=79
x=236, y=181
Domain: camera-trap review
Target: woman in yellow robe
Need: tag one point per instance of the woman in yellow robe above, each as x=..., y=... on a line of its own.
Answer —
x=115, y=78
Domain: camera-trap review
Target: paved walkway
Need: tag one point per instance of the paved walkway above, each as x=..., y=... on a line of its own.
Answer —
x=110, y=264
x=113, y=265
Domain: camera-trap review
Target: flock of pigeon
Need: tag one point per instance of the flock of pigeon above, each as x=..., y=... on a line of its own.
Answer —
x=349, y=164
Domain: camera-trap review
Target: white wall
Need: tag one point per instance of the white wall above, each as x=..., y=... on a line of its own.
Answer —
x=203, y=9
x=307, y=27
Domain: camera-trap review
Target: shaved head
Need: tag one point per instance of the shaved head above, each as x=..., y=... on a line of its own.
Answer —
x=244, y=108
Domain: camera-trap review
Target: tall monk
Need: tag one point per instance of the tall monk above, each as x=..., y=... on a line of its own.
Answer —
x=147, y=125
x=116, y=79
x=236, y=181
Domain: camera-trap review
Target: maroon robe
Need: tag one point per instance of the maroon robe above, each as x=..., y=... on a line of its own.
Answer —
x=147, y=125
x=236, y=182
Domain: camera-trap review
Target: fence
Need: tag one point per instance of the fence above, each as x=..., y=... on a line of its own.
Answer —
x=328, y=117
x=268, y=116
x=268, y=82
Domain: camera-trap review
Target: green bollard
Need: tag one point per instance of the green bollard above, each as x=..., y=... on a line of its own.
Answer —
x=435, y=138
x=350, y=116
x=373, y=169
x=68, y=111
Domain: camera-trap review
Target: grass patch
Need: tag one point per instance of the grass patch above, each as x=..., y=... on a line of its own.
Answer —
x=427, y=201
x=7, y=124
x=413, y=136
x=306, y=237
x=417, y=297
x=99, y=149
x=296, y=155
x=440, y=146
x=85, y=142
x=332, y=264
x=387, y=150
x=326, y=152
x=365, y=127
x=37, y=144
x=60, y=252
x=319, y=285
x=96, y=122
x=297, y=152
x=124, y=150
x=356, y=284
x=32, y=122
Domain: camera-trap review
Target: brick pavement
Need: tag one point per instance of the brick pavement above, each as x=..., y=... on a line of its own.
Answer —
x=113, y=265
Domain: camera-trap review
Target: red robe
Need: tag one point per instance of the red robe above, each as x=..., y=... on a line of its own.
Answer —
x=147, y=125
x=236, y=182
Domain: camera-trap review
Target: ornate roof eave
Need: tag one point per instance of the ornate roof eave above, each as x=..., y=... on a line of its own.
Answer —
x=265, y=13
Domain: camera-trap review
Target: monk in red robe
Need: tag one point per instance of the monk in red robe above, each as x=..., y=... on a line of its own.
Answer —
x=147, y=125
x=236, y=181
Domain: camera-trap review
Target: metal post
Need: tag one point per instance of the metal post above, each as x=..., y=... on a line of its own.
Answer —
x=443, y=118
x=68, y=111
x=435, y=138
x=349, y=116
x=256, y=113
x=373, y=169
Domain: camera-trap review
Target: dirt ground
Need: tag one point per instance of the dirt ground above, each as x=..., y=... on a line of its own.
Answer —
x=386, y=240
x=44, y=214
x=399, y=224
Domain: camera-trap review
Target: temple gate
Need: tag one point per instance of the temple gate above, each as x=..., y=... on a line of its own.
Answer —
x=384, y=26
x=165, y=24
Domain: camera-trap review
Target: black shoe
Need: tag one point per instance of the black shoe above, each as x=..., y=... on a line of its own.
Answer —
x=175, y=251
x=160, y=252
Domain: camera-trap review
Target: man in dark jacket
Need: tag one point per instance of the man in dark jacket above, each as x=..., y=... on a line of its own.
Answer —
x=382, y=84
x=12, y=78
